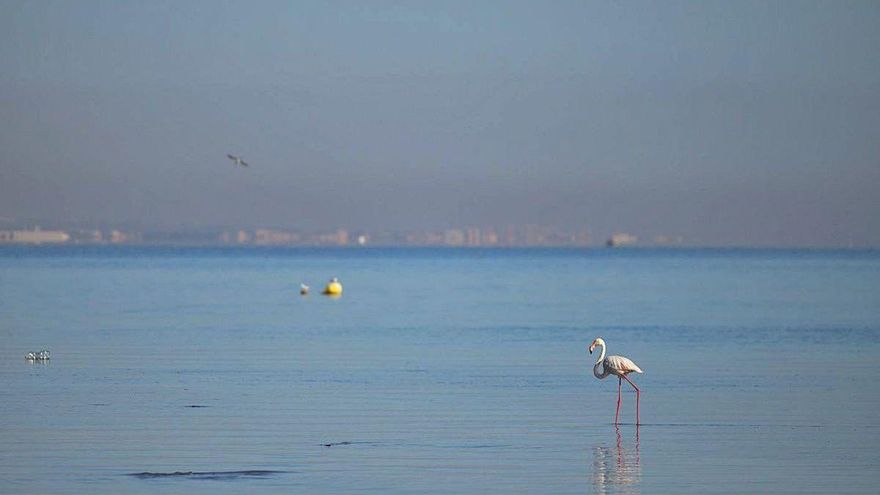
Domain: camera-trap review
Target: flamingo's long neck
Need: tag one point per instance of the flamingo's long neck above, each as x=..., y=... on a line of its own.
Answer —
x=600, y=374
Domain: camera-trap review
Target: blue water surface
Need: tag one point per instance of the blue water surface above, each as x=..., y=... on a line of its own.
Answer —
x=438, y=371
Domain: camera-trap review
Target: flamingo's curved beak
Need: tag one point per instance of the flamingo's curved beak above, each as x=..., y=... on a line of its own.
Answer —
x=591, y=348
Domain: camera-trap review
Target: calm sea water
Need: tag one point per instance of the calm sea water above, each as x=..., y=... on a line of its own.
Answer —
x=438, y=371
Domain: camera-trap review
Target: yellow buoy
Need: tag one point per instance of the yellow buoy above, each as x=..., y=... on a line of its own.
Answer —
x=334, y=288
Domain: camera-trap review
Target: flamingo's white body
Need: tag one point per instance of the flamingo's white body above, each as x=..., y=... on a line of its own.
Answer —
x=619, y=366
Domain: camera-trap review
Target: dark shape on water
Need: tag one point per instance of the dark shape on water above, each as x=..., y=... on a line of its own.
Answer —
x=207, y=475
x=333, y=444
x=348, y=442
x=196, y=406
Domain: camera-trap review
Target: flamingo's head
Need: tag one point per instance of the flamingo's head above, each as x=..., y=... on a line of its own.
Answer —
x=597, y=343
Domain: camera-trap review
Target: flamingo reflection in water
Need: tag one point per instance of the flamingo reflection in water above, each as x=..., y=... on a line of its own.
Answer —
x=617, y=471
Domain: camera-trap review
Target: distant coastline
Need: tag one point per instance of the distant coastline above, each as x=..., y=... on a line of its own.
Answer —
x=599, y=250
x=524, y=237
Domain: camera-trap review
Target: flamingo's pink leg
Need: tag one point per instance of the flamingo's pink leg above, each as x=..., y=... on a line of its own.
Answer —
x=638, y=393
x=617, y=412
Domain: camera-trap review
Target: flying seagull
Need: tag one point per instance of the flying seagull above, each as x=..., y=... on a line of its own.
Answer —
x=237, y=160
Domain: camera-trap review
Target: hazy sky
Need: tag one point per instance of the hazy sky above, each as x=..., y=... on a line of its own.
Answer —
x=728, y=122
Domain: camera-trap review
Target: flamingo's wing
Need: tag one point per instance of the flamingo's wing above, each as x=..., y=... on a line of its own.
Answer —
x=622, y=364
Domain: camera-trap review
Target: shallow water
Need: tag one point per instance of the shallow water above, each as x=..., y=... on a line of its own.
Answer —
x=437, y=371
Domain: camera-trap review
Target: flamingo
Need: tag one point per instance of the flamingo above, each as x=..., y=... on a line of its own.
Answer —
x=616, y=365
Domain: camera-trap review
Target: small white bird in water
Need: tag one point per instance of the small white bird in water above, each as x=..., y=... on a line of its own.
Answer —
x=37, y=356
x=237, y=160
x=303, y=289
x=616, y=365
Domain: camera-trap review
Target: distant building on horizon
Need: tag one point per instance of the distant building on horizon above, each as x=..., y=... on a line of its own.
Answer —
x=668, y=240
x=621, y=240
x=35, y=236
x=237, y=237
x=269, y=237
x=454, y=237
